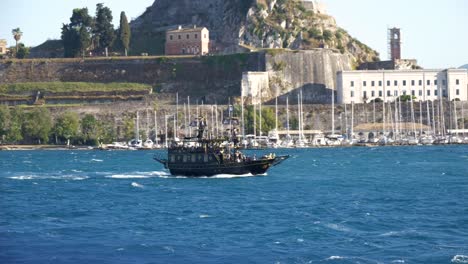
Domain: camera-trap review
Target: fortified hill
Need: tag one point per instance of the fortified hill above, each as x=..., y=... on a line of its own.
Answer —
x=295, y=42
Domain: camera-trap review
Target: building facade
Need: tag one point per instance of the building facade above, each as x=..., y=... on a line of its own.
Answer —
x=365, y=86
x=3, y=46
x=188, y=41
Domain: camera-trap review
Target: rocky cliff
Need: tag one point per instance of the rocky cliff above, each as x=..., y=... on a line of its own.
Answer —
x=252, y=23
x=211, y=79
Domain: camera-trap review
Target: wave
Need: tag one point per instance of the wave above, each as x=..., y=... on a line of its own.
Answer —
x=127, y=176
x=218, y=176
x=400, y=233
x=139, y=175
x=338, y=227
x=136, y=185
x=460, y=259
x=49, y=177
x=334, y=258
x=204, y=216
x=97, y=160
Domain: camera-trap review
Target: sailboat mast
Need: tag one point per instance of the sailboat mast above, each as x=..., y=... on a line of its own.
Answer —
x=299, y=114
x=189, y=117
x=255, y=120
x=333, y=111
x=433, y=119
x=429, y=123
x=287, y=114
x=455, y=116
x=276, y=113
x=346, y=120
x=165, y=125
x=155, y=127
x=137, y=137
x=260, y=110
x=420, y=118
x=242, y=117
x=413, y=120
x=177, y=115
x=352, y=121
x=212, y=121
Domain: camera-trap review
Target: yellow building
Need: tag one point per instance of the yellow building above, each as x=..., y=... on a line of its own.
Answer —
x=182, y=41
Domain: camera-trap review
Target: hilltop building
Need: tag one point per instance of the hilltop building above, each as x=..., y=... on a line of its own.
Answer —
x=315, y=6
x=3, y=47
x=388, y=85
x=184, y=41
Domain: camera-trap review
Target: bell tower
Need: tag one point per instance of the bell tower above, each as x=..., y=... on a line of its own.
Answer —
x=394, y=43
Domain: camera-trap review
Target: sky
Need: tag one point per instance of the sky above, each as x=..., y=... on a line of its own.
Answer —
x=434, y=33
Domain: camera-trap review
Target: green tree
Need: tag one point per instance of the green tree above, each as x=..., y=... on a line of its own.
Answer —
x=124, y=32
x=406, y=98
x=107, y=133
x=15, y=133
x=37, y=125
x=268, y=119
x=70, y=40
x=76, y=36
x=90, y=129
x=17, y=34
x=129, y=128
x=22, y=52
x=327, y=35
x=104, y=29
x=5, y=120
x=67, y=125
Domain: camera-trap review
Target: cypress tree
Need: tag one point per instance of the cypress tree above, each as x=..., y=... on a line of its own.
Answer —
x=104, y=30
x=124, y=34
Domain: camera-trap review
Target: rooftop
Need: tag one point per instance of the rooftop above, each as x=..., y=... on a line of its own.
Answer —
x=181, y=30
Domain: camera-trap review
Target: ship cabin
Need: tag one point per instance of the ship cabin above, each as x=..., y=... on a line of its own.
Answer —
x=203, y=152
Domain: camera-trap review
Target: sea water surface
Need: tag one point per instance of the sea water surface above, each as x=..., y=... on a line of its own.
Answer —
x=349, y=205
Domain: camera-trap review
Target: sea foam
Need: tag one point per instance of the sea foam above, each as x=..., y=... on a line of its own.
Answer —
x=460, y=259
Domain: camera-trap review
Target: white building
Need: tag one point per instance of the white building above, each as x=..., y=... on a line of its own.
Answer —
x=387, y=85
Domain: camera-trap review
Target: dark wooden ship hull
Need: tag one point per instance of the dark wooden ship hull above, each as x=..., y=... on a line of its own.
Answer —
x=254, y=167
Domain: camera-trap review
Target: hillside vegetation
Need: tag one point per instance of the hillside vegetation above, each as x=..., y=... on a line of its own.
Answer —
x=288, y=24
x=70, y=87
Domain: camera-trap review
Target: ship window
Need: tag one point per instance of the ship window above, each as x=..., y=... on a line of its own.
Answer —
x=206, y=158
x=172, y=158
x=194, y=158
x=185, y=158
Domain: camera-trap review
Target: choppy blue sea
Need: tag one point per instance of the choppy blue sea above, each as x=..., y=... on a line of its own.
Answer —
x=351, y=205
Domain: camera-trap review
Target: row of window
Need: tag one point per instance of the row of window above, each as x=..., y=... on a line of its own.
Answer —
x=191, y=158
x=404, y=82
x=413, y=93
x=179, y=36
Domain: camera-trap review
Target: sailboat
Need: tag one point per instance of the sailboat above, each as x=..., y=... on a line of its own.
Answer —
x=333, y=139
x=302, y=141
x=287, y=142
x=136, y=142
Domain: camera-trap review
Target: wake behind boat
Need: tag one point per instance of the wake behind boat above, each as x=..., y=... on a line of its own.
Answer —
x=195, y=157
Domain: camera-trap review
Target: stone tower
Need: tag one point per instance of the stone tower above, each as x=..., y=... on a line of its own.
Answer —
x=394, y=42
